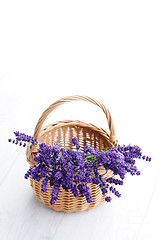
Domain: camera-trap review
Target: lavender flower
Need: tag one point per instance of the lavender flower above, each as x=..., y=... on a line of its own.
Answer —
x=44, y=185
x=21, y=137
x=76, y=143
x=108, y=199
x=54, y=194
x=58, y=175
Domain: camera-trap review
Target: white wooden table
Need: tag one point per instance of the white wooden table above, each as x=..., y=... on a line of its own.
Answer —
x=109, y=51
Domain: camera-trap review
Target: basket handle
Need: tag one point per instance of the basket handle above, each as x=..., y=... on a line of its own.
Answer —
x=61, y=101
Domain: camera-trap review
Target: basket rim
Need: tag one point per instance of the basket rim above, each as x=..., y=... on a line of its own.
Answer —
x=58, y=124
x=75, y=123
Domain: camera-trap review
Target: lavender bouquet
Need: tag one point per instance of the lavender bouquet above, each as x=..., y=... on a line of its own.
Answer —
x=74, y=169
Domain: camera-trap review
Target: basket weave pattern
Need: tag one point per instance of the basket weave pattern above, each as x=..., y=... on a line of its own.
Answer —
x=63, y=132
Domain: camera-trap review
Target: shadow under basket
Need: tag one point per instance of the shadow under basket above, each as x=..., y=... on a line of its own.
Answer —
x=63, y=132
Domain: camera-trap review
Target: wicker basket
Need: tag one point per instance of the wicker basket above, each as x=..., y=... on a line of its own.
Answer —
x=63, y=132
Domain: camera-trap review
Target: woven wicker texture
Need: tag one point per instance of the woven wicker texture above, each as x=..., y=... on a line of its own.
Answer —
x=63, y=132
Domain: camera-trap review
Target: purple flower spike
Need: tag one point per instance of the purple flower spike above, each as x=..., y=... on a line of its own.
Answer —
x=58, y=175
x=138, y=173
x=108, y=199
x=76, y=143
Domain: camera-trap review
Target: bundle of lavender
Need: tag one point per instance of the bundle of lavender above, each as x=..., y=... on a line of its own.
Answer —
x=74, y=169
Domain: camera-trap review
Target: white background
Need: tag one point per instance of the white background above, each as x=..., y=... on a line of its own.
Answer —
x=108, y=50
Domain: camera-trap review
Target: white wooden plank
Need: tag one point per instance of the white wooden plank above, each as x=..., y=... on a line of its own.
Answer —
x=22, y=216
x=151, y=222
x=9, y=151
